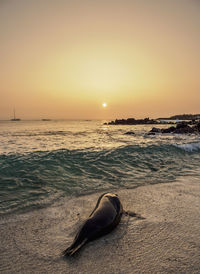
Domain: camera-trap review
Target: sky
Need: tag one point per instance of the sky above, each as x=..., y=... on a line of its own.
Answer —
x=63, y=59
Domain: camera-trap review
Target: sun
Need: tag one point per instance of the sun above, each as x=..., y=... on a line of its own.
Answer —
x=104, y=105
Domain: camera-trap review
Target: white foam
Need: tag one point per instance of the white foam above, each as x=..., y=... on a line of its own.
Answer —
x=189, y=147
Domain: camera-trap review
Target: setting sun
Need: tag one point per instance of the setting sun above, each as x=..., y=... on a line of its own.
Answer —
x=104, y=105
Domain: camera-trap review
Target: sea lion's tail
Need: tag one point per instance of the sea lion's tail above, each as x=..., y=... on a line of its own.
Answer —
x=73, y=248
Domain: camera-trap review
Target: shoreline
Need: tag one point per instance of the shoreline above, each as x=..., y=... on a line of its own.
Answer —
x=167, y=239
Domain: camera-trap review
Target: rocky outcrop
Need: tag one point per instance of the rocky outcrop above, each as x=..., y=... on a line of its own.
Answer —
x=191, y=117
x=180, y=128
x=133, y=121
x=196, y=128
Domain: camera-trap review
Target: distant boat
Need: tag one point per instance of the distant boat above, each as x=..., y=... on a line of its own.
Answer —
x=46, y=119
x=14, y=117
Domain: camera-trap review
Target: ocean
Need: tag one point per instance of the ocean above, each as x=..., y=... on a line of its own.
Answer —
x=42, y=162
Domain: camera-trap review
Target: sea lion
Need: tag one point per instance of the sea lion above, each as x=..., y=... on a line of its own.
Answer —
x=103, y=219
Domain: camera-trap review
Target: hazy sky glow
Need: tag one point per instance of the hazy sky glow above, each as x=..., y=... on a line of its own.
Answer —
x=64, y=58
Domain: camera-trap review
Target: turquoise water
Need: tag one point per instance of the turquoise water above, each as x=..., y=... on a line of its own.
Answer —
x=42, y=161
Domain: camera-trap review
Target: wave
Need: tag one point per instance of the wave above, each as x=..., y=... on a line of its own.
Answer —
x=33, y=179
x=190, y=147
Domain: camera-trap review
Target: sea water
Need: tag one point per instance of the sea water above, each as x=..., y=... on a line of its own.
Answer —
x=44, y=161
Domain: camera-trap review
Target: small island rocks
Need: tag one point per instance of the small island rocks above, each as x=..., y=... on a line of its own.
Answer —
x=133, y=121
x=182, y=124
x=180, y=128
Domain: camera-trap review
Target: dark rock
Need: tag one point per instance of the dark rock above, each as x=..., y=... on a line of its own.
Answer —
x=181, y=125
x=196, y=128
x=184, y=130
x=168, y=130
x=129, y=133
x=181, y=128
x=133, y=121
x=155, y=130
x=185, y=117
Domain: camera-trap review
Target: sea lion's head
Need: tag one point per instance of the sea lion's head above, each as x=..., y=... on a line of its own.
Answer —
x=111, y=195
x=114, y=199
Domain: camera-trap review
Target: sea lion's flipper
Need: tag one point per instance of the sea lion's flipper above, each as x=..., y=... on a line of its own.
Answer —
x=129, y=213
x=73, y=248
x=133, y=214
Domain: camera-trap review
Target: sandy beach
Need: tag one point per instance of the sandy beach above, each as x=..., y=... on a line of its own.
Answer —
x=166, y=239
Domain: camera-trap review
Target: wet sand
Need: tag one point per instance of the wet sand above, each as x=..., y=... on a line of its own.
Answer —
x=166, y=238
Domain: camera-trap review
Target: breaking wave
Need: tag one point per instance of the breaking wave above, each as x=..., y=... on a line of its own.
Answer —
x=189, y=147
x=35, y=179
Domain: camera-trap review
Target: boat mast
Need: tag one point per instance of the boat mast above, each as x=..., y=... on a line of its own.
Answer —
x=14, y=113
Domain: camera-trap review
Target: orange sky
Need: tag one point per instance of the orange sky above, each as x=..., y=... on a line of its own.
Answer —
x=64, y=58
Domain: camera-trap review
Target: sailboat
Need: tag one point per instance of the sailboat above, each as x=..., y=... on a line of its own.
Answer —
x=14, y=117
